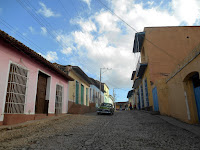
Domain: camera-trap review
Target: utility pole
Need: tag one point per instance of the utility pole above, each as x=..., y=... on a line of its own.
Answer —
x=100, y=78
x=114, y=97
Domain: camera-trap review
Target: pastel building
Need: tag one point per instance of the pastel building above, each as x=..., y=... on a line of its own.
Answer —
x=96, y=95
x=30, y=86
x=106, y=93
x=79, y=90
x=162, y=80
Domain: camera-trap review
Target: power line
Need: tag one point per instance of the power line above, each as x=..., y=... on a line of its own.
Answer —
x=41, y=21
x=116, y=15
x=78, y=29
x=93, y=29
x=175, y=59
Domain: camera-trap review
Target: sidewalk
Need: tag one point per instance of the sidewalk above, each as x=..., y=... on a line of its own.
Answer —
x=31, y=123
x=189, y=127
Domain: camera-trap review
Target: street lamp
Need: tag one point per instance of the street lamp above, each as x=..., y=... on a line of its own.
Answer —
x=100, y=77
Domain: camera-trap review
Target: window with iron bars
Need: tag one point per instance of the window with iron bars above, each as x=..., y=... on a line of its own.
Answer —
x=58, y=101
x=16, y=90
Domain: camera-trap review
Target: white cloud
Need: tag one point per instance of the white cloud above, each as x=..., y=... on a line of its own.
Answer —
x=150, y=3
x=66, y=43
x=87, y=26
x=31, y=29
x=107, y=22
x=87, y=2
x=186, y=11
x=47, y=12
x=43, y=31
x=105, y=41
x=67, y=50
x=50, y=56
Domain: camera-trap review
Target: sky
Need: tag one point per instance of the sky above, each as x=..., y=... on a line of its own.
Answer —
x=86, y=34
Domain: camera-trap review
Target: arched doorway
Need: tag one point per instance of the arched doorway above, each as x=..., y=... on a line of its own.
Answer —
x=192, y=88
x=196, y=85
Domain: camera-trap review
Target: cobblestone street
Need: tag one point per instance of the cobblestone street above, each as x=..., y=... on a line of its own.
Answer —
x=123, y=130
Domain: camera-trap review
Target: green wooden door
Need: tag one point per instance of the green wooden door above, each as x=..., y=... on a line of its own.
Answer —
x=86, y=96
x=77, y=92
x=82, y=94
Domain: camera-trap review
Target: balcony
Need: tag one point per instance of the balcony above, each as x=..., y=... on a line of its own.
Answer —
x=138, y=41
x=141, y=67
x=136, y=83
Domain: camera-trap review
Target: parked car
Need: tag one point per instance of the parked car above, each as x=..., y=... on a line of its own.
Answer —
x=105, y=108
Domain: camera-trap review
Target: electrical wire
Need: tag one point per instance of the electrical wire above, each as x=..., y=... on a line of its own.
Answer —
x=41, y=21
x=164, y=51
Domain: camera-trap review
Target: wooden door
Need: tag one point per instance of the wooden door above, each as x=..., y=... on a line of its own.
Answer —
x=86, y=96
x=82, y=94
x=41, y=94
x=155, y=99
x=196, y=84
x=138, y=99
x=146, y=93
x=77, y=92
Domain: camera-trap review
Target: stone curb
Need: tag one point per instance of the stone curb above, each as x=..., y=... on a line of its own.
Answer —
x=189, y=127
x=30, y=123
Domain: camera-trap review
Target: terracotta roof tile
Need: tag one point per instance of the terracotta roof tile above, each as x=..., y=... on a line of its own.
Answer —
x=30, y=53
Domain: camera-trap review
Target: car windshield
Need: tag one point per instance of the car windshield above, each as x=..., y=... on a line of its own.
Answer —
x=106, y=104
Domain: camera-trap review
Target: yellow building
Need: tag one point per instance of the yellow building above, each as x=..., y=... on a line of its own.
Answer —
x=181, y=90
x=79, y=89
x=161, y=50
x=106, y=93
x=168, y=71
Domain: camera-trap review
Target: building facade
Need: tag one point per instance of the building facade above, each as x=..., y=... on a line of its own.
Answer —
x=30, y=86
x=179, y=93
x=97, y=95
x=161, y=50
x=79, y=89
x=106, y=93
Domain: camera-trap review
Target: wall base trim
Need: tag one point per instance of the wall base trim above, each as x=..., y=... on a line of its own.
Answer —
x=10, y=119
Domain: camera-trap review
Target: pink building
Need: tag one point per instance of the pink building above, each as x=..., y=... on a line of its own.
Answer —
x=30, y=86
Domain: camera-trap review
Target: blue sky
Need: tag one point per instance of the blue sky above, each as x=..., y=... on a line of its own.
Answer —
x=84, y=33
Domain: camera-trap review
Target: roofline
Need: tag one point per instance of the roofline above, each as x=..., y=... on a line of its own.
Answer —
x=17, y=45
x=172, y=27
x=87, y=80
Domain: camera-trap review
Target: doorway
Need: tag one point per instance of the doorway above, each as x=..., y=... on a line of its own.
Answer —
x=196, y=85
x=41, y=105
x=155, y=99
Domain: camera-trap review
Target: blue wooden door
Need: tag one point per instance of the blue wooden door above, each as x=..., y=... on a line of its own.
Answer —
x=155, y=99
x=77, y=92
x=142, y=96
x=197, y=99
x=146, y=93
x=82, y=94
x=138, y=99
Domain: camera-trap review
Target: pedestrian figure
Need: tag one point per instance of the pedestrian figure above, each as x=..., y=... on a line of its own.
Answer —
x=130, y=107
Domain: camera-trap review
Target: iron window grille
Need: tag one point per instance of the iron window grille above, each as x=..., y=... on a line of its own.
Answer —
x=16, y=90
x=58, y=102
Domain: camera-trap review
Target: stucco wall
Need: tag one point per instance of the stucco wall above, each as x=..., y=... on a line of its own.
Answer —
x=162, y=92
x=176, y=41
x=72, y=88
x=93, y=98
x=177, y=99
x=8, y=55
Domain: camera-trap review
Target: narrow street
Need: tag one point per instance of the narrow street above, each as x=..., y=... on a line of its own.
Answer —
x=123, y=130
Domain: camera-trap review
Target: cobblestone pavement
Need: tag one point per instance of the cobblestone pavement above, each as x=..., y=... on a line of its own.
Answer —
x=123, y=130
